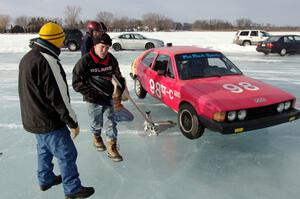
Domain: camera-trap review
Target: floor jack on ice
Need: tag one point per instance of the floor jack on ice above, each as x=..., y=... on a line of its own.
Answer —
x=149, y=124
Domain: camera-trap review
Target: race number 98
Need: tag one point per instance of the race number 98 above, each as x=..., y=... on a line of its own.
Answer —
x=155, y=88
x=240, y=87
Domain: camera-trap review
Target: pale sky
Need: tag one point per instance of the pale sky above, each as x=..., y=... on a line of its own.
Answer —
x=275, y=12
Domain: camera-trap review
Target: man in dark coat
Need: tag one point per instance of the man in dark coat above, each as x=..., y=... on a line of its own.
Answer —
x=46, y=111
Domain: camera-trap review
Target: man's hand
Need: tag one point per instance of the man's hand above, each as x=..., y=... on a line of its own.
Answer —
x=74, y=132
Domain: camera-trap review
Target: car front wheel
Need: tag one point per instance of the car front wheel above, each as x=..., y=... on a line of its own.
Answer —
x=283, y=52
x=189, y=123
x=72, y=46
x=117, y=46
x=139, y=90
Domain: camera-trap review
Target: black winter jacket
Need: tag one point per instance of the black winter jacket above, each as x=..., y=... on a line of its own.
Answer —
x=92, y=77
x=43, y=90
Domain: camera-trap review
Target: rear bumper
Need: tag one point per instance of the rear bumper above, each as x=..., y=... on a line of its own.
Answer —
x=263, y=50
x=239, y=127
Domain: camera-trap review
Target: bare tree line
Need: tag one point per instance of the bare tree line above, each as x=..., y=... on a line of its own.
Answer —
x=149, y=22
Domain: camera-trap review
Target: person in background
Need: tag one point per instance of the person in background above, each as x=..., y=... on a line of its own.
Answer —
x=46, y=112
x=92, y=77
x=94, y=29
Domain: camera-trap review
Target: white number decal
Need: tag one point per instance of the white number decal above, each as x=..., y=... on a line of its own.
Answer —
x=157, y=89
x=236, y=89
x=248, y=86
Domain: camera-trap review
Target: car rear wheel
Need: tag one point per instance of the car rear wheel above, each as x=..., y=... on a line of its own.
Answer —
x=189, y=123
x=117, y=46
x=72, y=46
x=283, y=52
x=149, y=45
x=266, y=53
x=139, y=90
x=246, y=43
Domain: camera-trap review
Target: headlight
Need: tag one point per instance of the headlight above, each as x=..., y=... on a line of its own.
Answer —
x=242, y=114
x=280, y=107
x=231, y=116
x=287, y=105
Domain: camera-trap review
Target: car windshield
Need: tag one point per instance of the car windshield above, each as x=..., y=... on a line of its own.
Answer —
x=201, y=65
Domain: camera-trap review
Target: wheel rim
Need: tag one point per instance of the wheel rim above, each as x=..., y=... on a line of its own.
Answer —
x=149, y=45
x=137, y=86
x=117, y=47
x=186, y=121
x=283, y=51
x=72, y=46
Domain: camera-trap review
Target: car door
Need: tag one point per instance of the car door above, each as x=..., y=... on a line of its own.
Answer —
x=162, y=81
x=139, y=41
x=254, y=37
x=145, y=71
x=290, y=43
x=297, y=40
x=127, y=41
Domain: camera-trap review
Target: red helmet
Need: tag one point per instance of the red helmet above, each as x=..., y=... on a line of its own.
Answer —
x=95, y=26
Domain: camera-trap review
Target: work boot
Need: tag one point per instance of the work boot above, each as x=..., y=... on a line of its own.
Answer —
x=84, y=192
x=113, y=152
x=98, y=143
x=57, y=181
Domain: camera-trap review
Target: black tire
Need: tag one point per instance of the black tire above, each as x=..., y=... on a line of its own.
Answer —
x=188, y=122
x=72, y=46
x=117, y=46
x=139, y=90
x=149, y=45
x=266, y=53
x=283, y=52
x=246, y=43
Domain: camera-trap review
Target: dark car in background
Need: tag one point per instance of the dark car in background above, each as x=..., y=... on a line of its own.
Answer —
x=73, y=38
x=281, y=44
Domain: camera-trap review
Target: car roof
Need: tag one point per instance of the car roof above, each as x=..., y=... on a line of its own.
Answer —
x=173, y=50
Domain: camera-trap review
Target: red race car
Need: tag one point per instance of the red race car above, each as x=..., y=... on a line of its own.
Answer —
x=208, y=91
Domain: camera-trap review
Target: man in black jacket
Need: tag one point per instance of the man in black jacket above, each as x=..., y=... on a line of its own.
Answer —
x=46, y=111
x=92, y=77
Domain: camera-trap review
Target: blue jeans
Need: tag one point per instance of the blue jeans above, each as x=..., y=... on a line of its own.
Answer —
x=58, y=143
x=100, y=114
x=123, y=115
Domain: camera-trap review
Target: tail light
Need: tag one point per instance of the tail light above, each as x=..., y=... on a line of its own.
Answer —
x=269, y=45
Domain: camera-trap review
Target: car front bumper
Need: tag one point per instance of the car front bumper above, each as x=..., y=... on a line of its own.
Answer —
x=242, y=126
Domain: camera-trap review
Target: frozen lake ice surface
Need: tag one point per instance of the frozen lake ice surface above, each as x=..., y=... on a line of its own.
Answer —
x=260, y=164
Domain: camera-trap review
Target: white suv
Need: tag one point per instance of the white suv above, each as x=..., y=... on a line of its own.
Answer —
x=250, y=37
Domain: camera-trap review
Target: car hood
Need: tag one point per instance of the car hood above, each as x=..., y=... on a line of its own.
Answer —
x=212, y=92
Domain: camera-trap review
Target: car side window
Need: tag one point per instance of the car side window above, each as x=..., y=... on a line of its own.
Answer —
x=244, y=33
x=148, y=59
x=297, y=38
x=287, y=40
x=161, y=63
x=254, y=33
x=127, y=36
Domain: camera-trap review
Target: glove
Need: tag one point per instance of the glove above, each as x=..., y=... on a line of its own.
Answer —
x=125, y=95
x=74, y=132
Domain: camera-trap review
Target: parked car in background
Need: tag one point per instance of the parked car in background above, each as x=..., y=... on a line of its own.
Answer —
x=208, y=91
x=281, y=44
x=134, y=41
x=250, y=37
x=73, y=39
